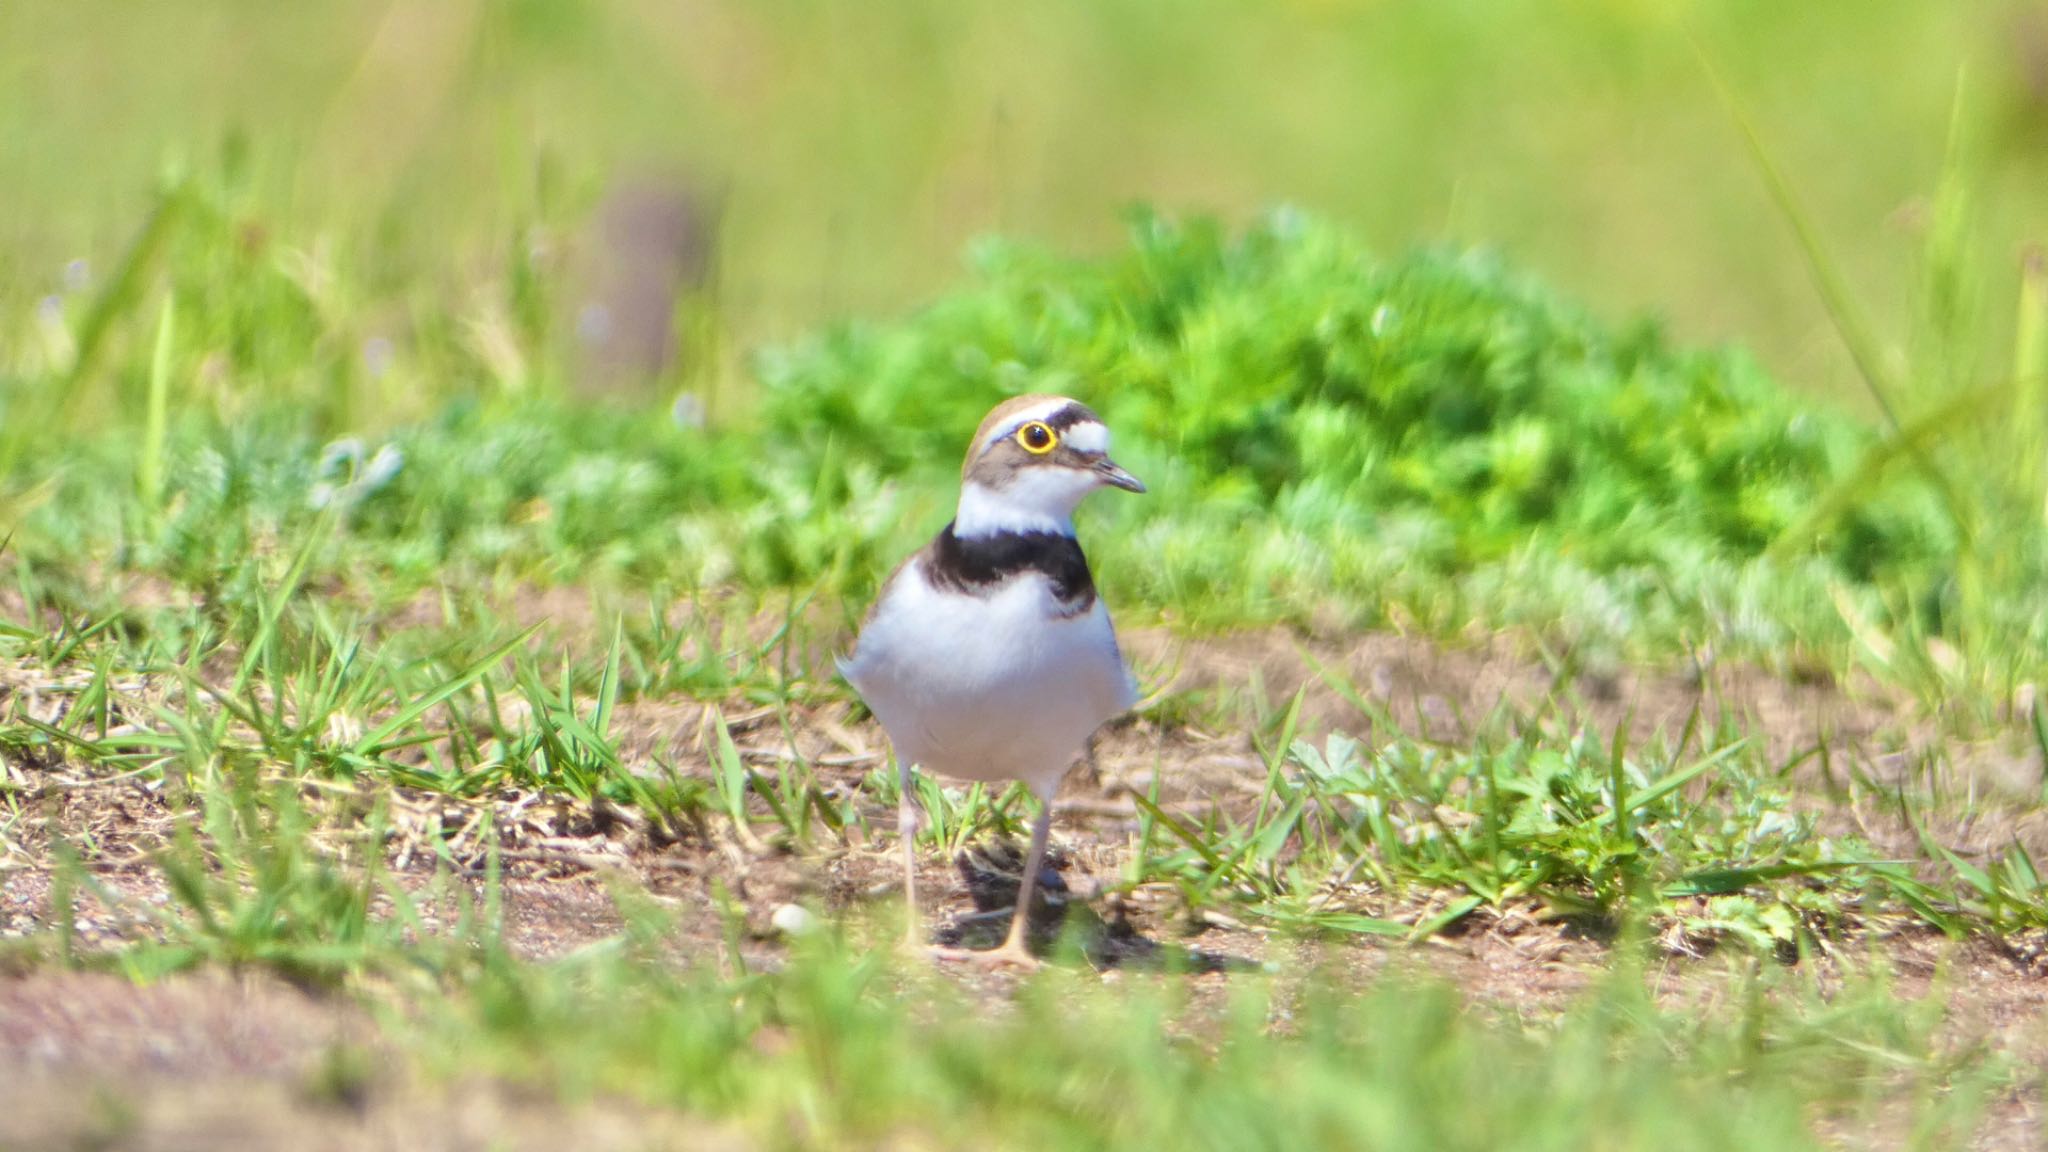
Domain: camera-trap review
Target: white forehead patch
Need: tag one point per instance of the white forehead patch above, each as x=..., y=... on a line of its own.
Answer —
x=1087, y=436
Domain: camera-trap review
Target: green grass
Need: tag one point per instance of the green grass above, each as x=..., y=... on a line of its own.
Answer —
x=1331, y=437
x=1335, y=440
x=837, y=1045
x=1697, y=831
x=821, y=1053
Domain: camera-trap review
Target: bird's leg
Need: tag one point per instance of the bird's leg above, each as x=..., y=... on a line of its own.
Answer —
x=906, y=829
x=1015, y=950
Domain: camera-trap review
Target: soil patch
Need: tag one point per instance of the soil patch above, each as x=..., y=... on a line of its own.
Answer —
x=214, y=1063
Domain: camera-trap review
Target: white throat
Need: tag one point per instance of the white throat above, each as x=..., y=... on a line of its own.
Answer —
x=1035, y=500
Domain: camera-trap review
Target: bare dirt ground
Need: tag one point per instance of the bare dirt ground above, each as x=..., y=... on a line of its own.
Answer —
x=224, y=1062
x=217, y=1063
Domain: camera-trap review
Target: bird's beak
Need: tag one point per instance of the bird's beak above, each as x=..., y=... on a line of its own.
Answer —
x=1116, y=477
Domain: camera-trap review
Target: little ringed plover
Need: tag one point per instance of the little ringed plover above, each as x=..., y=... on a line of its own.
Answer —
x=987, y=654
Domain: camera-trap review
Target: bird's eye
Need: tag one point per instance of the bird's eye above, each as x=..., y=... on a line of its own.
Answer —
x=1037, y=438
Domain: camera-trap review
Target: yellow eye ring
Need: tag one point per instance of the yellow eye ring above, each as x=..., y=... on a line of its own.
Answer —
x=1037, y=438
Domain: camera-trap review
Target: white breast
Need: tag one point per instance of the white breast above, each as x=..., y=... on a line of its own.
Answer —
x=988, y=688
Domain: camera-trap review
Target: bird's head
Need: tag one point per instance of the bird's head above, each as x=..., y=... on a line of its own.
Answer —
x=1032, y=462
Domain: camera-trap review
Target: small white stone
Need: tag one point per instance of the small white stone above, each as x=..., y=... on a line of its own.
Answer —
x=793, y=920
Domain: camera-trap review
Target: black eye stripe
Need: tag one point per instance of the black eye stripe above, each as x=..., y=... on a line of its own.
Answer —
x=1069, y=416
x=1059, y=421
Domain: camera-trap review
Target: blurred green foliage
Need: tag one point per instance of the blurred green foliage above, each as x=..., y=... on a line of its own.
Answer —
x=1287, y=375
x=359, y=293
x=855, y=148
x=1328, y=435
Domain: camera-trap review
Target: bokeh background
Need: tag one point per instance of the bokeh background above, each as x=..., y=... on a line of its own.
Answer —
x=821, y=159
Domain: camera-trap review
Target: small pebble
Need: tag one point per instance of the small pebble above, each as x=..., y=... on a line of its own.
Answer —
x=793, y=920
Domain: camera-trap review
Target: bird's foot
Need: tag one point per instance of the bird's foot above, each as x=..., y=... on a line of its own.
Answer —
x=911, y=948
x=1012, y=954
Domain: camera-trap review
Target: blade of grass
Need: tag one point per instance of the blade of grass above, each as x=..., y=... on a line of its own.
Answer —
x=150, y=469
x=1679, y=779
x=380, y=737
x=1850, y=325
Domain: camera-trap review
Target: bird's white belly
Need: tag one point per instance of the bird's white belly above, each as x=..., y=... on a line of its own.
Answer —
x=989, y=688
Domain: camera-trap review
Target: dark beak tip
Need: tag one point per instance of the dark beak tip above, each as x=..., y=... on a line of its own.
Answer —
x=1118, y=478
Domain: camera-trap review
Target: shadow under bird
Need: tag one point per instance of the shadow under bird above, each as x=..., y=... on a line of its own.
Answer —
x=987, y=654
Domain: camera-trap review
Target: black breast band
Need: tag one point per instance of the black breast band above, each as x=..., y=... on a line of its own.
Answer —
x=981, y=564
